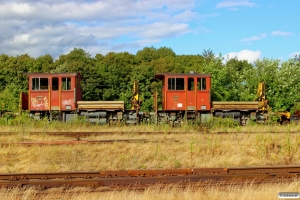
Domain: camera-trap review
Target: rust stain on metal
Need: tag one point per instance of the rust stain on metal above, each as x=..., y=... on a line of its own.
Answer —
x=78, y=135
x=75, y=142
x=144, y=178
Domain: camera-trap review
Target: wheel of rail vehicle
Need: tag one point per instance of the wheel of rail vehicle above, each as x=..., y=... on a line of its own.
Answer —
x=171, y=123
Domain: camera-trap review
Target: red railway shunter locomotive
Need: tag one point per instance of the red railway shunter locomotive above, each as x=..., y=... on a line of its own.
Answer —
x=184, y=96
x=52, y=95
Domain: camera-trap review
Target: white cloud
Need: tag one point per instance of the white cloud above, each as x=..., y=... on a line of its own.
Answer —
x=92, y=10
x=254, y=38
x=185, y=16
x=293, y=54
x=54, y=26
x=281, y=33
x=248, y=55
x=162, y=29
x=235, y=4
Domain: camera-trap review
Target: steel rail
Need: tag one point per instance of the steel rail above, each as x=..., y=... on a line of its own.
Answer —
x=181, y=186
x=76, y=142
x=86, y=134
x=144, y=181
x=278, y=171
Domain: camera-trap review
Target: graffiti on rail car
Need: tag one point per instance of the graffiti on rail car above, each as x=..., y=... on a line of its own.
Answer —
x=40, y=102
x=68, y=102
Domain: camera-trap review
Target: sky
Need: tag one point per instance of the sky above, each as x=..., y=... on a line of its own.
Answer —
x=246, y=29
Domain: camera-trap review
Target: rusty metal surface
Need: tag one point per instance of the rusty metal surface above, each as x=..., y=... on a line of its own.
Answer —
x=269, y=170
x=78, y=142
x=100, y=105
x=206, y=173
x=253, y=132
x=181, y=186
x=140, y=181
x=103, y=174
x=232, y=105
x=103, y=133
x=83, y=134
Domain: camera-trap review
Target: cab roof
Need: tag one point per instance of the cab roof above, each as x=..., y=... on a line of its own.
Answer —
x=51, y=74
x=191, y=74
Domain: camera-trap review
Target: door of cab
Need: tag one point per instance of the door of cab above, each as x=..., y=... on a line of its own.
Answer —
x=203, y=93
x=68, y=93
x=39, y=94
x=191, y=93
x=55, y=93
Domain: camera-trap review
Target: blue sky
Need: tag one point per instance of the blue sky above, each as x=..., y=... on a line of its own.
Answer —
x=247, y=29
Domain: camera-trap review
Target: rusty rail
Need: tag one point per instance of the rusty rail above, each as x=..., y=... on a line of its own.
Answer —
x=145, y=178
x=86, y=134
x=77, y=142
x=136, y=181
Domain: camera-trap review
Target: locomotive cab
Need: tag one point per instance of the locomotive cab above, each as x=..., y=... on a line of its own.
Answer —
x=185, y=96
x=50, y=93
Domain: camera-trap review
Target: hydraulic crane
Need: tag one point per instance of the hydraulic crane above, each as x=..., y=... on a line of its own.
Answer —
x=262, y=100
x=263, y=104
x=135, y=101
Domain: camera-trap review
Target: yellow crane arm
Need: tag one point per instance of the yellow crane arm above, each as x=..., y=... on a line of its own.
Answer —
x=135, y=101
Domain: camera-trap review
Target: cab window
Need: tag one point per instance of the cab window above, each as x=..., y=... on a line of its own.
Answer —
x=175, y=83
x=66, y=83
x=39, y=84
x=191, y=84
x=55, y=84
x=201, y=84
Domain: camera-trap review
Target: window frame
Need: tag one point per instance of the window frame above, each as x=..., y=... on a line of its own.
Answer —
x=201, y=84
x=64, y=82
x=176, y=83
x=191, y=83
x=53, y=83
x=36, y=83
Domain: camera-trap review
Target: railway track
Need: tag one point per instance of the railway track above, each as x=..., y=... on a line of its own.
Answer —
x=87, y=134
x=145, y=178
x=78, y=142
x=102, y=133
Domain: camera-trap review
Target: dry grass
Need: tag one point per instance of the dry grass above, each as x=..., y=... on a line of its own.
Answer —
x=247, y=191
x=44, y=126
x=192, y=150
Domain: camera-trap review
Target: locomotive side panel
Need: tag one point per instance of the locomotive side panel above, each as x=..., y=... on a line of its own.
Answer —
x=53, y=92
x=39, y=95
x=203, y=93
x=68, y=93
x=175, y=100
x=175, y=94
x=186, y=92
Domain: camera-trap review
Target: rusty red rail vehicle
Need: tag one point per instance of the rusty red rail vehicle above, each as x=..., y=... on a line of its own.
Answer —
x=185, y=96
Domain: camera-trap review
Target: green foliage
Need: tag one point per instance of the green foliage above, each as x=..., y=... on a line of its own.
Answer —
x=111, y=76
x=9, y=98
x=219, y=122
x=43, y=64
x=295, y=108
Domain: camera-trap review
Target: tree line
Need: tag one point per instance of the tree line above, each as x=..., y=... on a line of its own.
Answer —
x=110, y=77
